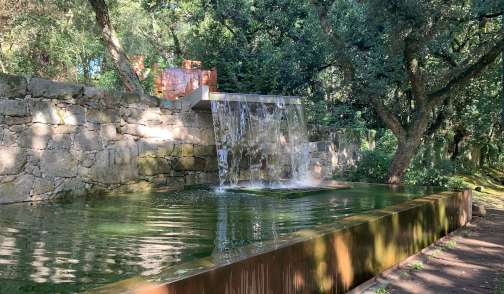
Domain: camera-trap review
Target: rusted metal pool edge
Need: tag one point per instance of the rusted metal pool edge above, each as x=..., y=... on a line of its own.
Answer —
x=330, y=258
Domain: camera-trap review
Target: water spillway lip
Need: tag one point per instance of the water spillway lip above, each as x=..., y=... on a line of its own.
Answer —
x=254, y=98
x=201, y=98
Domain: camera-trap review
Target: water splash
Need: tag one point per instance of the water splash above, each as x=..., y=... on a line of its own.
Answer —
x=261, y=144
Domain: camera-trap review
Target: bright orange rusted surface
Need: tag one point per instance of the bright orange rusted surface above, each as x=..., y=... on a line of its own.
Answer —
x=173, y=83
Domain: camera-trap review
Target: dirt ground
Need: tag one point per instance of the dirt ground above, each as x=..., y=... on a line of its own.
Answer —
x=470, y=260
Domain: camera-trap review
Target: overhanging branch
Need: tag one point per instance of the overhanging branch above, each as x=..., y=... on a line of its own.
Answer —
x=389, y=118
x=437, y=96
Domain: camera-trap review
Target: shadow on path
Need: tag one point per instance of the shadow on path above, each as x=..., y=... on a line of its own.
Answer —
x=471, y=260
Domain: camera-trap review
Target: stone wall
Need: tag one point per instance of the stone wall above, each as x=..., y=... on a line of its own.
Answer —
x=335, y=150
x=58, y=138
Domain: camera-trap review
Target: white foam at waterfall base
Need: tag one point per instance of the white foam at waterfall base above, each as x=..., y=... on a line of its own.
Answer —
x=261, y=145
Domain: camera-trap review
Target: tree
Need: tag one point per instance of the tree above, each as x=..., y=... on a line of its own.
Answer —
x=408, y=58
x=502, y=94
x=109, y=36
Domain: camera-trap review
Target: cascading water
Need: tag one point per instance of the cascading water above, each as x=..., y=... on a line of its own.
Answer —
x=261, y=144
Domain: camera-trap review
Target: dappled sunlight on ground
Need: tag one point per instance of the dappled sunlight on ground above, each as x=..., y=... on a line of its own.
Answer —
x=492, y=184
x=471, y=260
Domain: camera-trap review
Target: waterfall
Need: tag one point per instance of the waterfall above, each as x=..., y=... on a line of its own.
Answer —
x=262, y=144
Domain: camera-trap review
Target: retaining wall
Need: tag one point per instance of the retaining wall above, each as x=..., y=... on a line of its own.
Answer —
x=58, y=138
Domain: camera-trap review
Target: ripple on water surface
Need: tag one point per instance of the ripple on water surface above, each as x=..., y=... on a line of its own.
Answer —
x=73, y=245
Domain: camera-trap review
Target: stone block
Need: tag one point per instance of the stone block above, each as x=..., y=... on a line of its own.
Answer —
x=211, y=164
x=58, y=163
x=188, y=164
x=108, y=132
x=73, y=186
x=87, y=159
x=42, y=185
x=150, y=166
x=12, y=160
x=17, y=120
x=13, y=107
x=46, y=112
x=183, y=163
x=35, y=137
x=116, y=164
x=17, y=190
x=170, y=120
x=63, y=129
x=158, y=132
x=60, y=141
x=92, y=92
x=7, y=137
x=207, y=178
x=50, y=89
x=151, y=101
x=204, y=150
x=101, y=116
x=150, y=116
x=12, y=86
x=74, y=115
x=187, y=149
x=88, y=140
x=206, y=137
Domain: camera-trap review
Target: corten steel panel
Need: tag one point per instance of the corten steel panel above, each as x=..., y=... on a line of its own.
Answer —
x=180, y=82
x=330, y=259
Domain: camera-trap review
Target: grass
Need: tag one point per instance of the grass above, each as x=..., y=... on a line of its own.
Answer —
x=499, y=288
x=492, y=182
x=417, y=265
x=383, y=290
x=435, y=253
x=450, y=244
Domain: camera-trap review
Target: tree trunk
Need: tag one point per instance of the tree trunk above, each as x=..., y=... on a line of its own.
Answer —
x=406, y=150
x=459, y=136
x=502, y=94
x=121, y=62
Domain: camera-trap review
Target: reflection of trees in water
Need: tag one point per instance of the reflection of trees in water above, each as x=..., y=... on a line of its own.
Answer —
x=89, y=243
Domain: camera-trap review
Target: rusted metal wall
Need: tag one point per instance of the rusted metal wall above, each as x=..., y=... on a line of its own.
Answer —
x=334, y=261
x=172, y=83
x=180, y=82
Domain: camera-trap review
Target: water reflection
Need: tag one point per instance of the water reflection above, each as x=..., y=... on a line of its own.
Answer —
x=69, y=246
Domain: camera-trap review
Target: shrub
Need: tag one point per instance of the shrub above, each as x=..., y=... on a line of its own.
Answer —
x=372, y=167
x=456, y=184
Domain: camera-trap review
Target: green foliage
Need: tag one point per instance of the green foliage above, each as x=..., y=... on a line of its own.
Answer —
x=382, y=290
x=417, y=265
x=450, y=244
x=374, y=163
x=279, y=47
x=372, y=167
x=456, y=183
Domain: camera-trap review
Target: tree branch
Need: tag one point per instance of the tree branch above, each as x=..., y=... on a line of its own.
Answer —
x=389, y=118
x=344, y=61
x=489, y=15
x=436, y=97
x=411, y=48
x=109, y=36
x=446, y=58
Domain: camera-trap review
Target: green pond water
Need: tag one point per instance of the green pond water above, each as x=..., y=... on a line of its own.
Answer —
x=77, y=244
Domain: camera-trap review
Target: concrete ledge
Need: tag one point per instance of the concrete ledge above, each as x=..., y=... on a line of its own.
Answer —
x=201, y=97
x=328, y=259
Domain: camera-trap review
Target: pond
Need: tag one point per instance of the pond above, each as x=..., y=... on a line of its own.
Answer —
x=75, y=244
